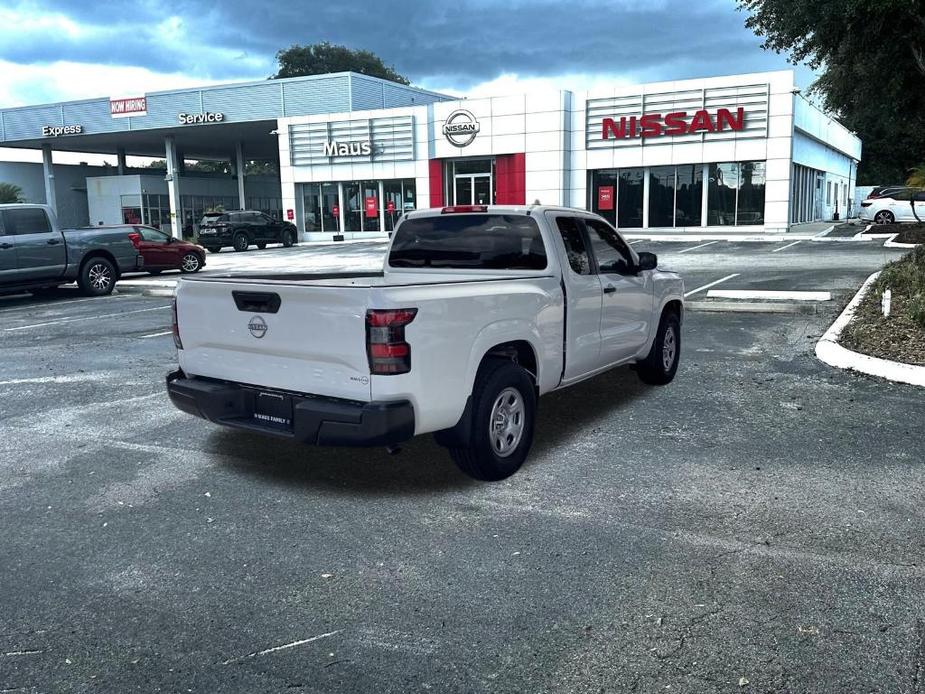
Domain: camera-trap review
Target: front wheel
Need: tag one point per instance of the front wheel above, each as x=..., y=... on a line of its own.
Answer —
x=190, y=263
x=240, y=242
x=884, y=217
x=262, y=245
x=661, y=364
x=503, y=414
x=288, y=239
x=97, y=277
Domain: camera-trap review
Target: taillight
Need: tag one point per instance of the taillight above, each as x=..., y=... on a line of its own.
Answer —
x=864, y=203
x=459, y=209
x=135, y=238
x=386, y=348
x=175, y=327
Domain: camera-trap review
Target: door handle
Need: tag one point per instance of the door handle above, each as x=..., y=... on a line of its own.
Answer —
x=609, y=289
x=53, y=242
x=4, y=246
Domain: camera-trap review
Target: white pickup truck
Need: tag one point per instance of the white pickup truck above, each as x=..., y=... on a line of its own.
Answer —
x=478, y=311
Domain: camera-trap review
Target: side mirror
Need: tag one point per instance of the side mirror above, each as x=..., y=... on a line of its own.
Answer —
x=647, y=261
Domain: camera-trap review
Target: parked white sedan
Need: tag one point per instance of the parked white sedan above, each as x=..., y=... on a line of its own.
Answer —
x=895, y=208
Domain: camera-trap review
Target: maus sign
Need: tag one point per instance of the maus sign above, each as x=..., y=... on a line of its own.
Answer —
x=675, y=123
x=347, y=149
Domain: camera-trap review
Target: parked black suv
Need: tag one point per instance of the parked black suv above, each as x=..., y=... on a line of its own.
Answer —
x=242, y=228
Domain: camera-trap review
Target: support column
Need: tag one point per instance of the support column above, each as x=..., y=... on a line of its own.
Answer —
x=120, y=161
x=49, y=170
x=239, y=169
x=173, y=186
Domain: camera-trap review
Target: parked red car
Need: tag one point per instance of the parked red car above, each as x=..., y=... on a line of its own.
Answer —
x=163, y=252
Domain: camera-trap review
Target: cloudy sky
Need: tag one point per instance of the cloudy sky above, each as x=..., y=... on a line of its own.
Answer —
x=53, y=50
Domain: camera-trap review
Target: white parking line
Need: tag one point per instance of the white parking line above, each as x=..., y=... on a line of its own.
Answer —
x=784, y=248
x=74, y=320
x=702, y=245
x=167, y=332
x=711, y=284
x=54, y=304
x=769, y=295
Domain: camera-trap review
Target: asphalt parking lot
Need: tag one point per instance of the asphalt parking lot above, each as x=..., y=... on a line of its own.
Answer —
x=754, y=526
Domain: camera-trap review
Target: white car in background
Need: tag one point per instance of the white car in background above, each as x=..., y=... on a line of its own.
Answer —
x=894, y=208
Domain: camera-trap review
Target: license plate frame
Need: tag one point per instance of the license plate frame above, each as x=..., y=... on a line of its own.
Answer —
x=273, y=410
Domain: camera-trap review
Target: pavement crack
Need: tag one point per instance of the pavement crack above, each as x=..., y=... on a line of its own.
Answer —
x=919, y=656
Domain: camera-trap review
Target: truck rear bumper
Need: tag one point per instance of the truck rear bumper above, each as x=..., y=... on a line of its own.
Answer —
x=314, y=420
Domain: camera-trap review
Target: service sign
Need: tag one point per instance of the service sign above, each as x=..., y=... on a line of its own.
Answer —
x=129, y=106
x=605, y=198
x=372, y=207
x=200, y=118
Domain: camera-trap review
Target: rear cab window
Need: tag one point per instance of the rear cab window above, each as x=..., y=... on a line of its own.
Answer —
x=469, y=241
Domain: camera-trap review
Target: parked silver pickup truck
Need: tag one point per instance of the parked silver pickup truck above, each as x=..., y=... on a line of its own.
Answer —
x=35, y=254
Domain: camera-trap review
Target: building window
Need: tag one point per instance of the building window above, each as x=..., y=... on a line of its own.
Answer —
x=661, y=196
x=689, y=196
x=675, y=195
x=736, y=194
x=363, y=208
x=828, y=193
x=603, y=188
x=629, y=198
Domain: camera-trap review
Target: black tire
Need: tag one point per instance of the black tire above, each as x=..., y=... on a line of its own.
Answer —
x=661, y=364
x=262, y=245
x=288, y=239
x=191, y=262
x=240, y=242
x=481, y=460
x=213, y=249
x=884, y=217
x=97, y=277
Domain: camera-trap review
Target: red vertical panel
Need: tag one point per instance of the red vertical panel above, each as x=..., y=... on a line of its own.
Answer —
x=510, y=179
x=502, y=179
x=435, y=180
x=518, y=179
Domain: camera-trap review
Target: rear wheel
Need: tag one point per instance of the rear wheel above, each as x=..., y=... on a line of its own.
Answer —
x=240, y=242
x=262, y=245
x=661, y=364
x=503, y=413
x=190, y=263
x=97, y=277
x=884, y=217
x=288, y=239
x=213, y=249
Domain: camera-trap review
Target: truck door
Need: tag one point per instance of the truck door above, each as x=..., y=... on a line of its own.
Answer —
x=627, y=296
x=583, y=290
x=8, y=268
x=40, y=249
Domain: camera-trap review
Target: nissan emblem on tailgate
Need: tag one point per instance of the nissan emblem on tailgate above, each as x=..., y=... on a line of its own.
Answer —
x=257, y=326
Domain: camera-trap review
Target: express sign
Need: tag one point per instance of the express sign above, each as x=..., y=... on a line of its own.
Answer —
x=672, y=124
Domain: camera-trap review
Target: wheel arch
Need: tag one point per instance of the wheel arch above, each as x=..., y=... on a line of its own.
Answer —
x=99, y=253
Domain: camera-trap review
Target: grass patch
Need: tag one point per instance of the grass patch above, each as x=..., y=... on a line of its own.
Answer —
x=901, y=337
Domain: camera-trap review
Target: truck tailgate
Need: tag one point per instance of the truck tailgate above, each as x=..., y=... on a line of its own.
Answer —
x=301, y=338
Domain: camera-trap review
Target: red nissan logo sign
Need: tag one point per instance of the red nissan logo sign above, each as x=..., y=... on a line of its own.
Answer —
x=671, y=124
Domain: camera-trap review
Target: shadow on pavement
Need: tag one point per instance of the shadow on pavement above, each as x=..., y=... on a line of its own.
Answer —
x=422, y=466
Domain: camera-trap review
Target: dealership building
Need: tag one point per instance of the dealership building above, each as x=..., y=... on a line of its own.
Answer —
x=740, y=153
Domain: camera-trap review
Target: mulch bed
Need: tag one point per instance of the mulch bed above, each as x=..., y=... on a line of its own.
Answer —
x=908, y=233
x=899, y=337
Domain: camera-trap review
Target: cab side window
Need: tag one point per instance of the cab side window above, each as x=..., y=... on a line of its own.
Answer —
x=612, y=253
x=575, y=249
x=27, y=220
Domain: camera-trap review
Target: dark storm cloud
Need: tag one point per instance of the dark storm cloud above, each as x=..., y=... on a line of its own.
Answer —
x=456, y=43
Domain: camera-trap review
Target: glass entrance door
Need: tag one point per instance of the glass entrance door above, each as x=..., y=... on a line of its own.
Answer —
x=473, y=182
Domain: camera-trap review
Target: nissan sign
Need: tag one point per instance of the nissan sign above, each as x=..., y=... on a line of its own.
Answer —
x=670, y=124
x=460, y=128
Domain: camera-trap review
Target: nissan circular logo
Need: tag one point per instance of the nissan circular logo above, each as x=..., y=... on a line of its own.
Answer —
x=257, y=326
x=461, y=127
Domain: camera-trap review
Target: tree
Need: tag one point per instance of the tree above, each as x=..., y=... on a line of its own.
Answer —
x=10, y=193
x=322, y=58
x=917, y=176
x=871, y=59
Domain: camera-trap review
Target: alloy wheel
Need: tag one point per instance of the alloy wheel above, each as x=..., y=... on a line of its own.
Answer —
x=190, y=262
x=669, y=349
x=100, y=276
